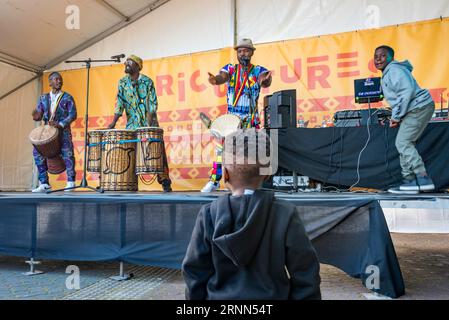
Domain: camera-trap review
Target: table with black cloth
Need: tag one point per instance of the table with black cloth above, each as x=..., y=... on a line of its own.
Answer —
x=331, y=155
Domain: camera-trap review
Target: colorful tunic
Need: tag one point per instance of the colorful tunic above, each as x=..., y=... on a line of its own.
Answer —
x=137, y=99
x=65, y=115
x=243, y=92
x=242, y=98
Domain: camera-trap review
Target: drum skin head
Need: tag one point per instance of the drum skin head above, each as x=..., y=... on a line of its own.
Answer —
x=43, y=134
x=225, y=124
x=149, y=129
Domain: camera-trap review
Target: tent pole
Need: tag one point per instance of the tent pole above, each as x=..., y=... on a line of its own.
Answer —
x=20, y=86
x=19, y=63
x=113, y=9
x=19, y=66
x=122, y=24
x=34, y=176
x=234, y=3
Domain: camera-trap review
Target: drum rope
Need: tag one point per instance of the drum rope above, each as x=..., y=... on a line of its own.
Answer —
x=123, y=141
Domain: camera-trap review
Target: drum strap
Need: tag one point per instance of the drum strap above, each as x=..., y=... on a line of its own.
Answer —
x=57, y=105
x=239, y=86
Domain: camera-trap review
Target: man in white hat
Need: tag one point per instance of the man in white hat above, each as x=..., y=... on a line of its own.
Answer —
x=244, y=82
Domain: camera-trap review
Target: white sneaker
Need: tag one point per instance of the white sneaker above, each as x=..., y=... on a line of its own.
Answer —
x=211, y=186
x=70, y=184
x=43, y=188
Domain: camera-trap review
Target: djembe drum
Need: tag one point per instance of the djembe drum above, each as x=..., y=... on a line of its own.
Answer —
x=94, y=151
x=224, y=125
x=46, y=140
x=118, y=160
x=150, y=150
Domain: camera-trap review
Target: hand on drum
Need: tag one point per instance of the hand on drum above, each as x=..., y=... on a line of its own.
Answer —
x=152, y=120
x=212, y=79
x=37, y=115
x=54, y=124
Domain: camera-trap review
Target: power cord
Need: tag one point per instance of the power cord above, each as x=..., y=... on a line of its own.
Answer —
x=363, y=149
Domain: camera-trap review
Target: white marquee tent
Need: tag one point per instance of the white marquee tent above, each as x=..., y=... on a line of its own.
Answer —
x=34, y=38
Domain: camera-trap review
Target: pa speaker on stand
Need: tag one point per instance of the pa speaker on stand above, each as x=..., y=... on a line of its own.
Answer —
x=280, y=110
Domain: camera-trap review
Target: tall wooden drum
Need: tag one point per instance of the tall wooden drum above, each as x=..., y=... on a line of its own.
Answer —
x=118, y=161
x=94, y=150
x=150, y=150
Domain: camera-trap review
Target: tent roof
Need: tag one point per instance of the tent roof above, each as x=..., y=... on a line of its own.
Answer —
x=35, y=37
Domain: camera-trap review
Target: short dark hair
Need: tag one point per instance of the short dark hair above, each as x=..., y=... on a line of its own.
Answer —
x=53, y=74
x=244, y=159
x=389, y=50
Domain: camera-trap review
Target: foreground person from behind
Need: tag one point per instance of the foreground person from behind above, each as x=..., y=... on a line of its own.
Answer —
x=412, y=108
x=250, y=245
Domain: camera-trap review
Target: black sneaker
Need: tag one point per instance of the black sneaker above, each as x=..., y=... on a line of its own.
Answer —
x=421, y=183
x=396, y=190
x=166, y=185
x=406, y=182
x=425, y=183
x=411, y=185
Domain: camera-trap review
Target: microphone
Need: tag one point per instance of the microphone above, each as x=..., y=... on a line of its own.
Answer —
x=118, y=57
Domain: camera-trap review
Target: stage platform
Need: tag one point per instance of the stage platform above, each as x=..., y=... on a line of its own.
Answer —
x=348, y=230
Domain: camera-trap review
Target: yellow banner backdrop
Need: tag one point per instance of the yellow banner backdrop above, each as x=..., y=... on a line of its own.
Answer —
x=321, y=69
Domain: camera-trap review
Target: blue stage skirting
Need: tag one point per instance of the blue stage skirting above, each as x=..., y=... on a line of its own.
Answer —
x=348, y=233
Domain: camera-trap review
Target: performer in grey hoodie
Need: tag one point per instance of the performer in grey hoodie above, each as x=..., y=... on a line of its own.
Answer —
x=249, y=245
x=412, y=109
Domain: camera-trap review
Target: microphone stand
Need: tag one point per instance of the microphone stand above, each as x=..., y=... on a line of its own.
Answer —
x=84, y=183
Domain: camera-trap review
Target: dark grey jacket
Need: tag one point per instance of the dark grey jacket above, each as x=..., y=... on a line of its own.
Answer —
x=250, y=247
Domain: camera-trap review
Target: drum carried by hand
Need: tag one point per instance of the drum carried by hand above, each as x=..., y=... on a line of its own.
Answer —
x=224, y=125
x=47, y=142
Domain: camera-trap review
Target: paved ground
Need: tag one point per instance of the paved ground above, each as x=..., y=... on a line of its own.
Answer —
x=424, y=260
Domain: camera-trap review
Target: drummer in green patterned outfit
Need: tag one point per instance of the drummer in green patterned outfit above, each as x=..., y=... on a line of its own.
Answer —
x=137, y=97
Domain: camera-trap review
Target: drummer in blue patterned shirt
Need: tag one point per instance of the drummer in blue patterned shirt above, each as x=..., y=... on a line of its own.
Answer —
x=58, y=109
x=244, y=83
x=137, y=97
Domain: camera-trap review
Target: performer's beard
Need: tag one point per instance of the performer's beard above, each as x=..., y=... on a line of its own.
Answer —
x=129, y=69
x=245, y=61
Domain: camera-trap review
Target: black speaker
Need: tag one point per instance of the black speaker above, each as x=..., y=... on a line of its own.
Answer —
x=280, y=110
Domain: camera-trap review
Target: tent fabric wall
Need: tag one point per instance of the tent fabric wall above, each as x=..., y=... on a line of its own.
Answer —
x=41, y=33
x=275, y=20
x=178, y=27
x=16, y=161
x=12, y=77
x=184, y=27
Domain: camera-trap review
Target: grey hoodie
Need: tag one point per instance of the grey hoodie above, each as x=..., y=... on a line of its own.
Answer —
x=250, y=247
x=401, y=90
